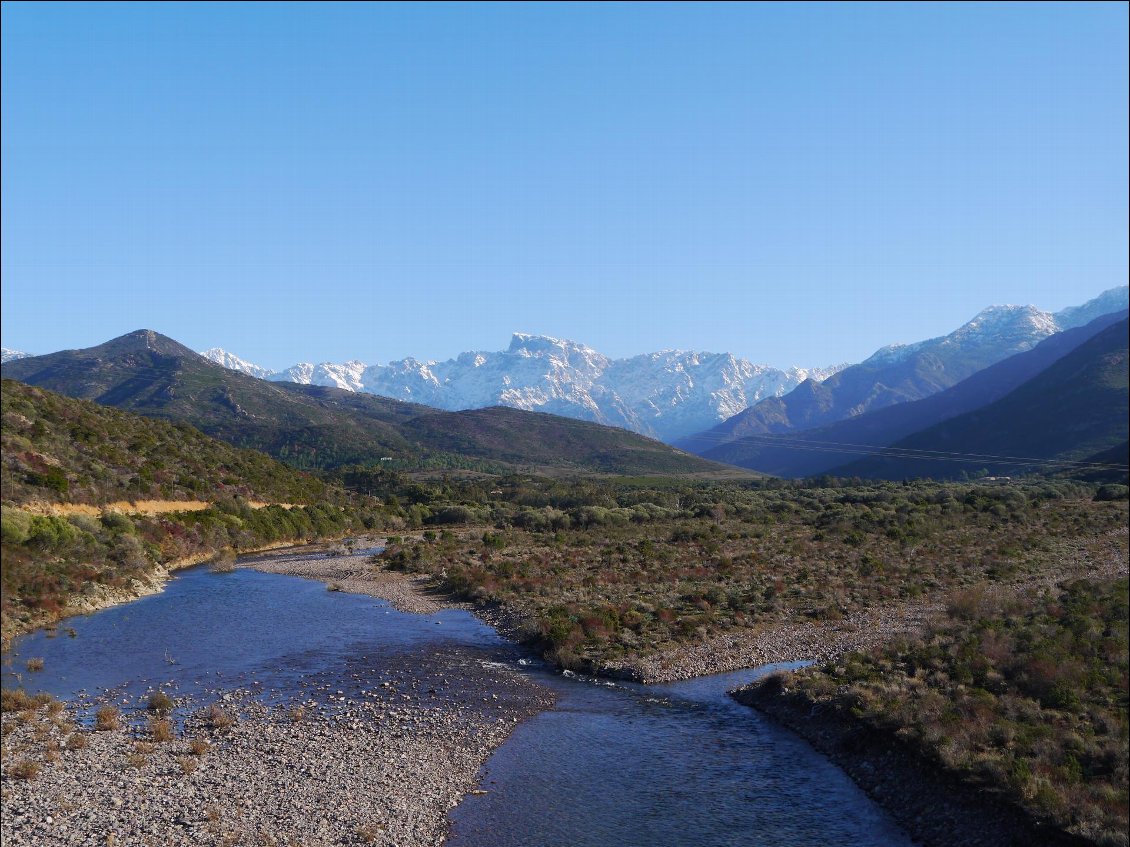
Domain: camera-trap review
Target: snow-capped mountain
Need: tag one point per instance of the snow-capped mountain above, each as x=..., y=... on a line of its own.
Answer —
x=234, y=363
x=672, y=394
x=347, y=376
x=1112, y=300
x=665, y=394
x=905, y=372
x=7, y=355
x=1012, y=328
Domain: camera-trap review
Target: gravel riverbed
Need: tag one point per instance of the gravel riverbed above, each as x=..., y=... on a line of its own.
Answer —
x=380, y=764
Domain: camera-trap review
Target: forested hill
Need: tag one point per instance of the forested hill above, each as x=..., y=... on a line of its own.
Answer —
x=57, y=449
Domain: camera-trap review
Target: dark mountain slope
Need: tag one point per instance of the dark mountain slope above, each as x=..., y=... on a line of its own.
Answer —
x=518, y=437
x=893, y=375
x=153, y=375
x=811, y=452
x=1072, y=410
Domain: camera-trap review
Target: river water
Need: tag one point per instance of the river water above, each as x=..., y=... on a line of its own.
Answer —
x=612, y=765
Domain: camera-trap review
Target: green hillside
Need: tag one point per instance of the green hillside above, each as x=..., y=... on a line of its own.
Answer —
x=517, y=437
x=60, y=454
x=59, y=450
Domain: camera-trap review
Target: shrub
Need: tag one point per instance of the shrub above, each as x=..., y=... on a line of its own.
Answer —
x=25, y=769
x=161, y=730
x=116, y=522
x=223, y=561
x=1112, y=492
x=15, y=700
x=107, y=718
x=160, y=702
x=14, y=525
x=217, y=718
x=76, y=740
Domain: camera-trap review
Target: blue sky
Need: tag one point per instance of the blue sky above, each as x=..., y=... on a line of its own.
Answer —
x=796, y=184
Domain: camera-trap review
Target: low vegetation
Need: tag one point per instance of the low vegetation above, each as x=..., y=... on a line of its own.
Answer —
x=1023, y=693
x=59, y=450
x=644, y=568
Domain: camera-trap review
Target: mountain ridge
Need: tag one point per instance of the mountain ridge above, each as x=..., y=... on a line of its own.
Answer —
x=322, y=427
x=900, y=373
x=813, y=451
x=664, y=394
x=1024, y=430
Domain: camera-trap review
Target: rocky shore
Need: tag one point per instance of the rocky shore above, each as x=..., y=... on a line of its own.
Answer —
x=354, y=572
x=379, y=763
x=938, y=810
x=785, y=642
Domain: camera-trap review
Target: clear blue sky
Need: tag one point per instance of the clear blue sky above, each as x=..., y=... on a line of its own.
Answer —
x=797, y=184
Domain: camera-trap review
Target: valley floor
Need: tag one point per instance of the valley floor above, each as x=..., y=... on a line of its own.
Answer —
x=384, y=769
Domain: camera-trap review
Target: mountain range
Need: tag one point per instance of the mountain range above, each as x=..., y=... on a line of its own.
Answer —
x=821, y=449
x=900, y=374
x=1072, y=411
x=311, y=426
x=328, y=415
x=665, y=395
x=694, y=400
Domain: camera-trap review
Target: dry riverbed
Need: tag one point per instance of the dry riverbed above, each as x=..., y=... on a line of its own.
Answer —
x=381, y=767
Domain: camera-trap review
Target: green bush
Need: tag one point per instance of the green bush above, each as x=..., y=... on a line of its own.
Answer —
x=15, y=525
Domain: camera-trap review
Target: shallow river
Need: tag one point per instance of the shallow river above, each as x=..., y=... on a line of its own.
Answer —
x=613, y=765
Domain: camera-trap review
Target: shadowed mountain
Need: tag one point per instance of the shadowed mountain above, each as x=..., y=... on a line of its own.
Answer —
x=906, y=372
x=1110, y=465
x=314, y=426
x=816, y=451
x=1071, y=411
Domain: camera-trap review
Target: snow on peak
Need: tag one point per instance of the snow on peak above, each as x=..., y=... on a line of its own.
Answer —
x=347, y=376
x=7, y=355
x=668, y=394
x=1013, y=328
x=1006, y=329
x=1112, y=300
x=893, y=353
x=534, y=343
x=233, y=363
